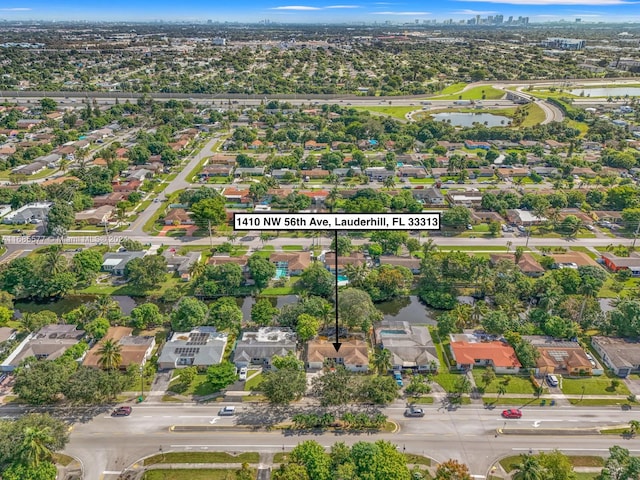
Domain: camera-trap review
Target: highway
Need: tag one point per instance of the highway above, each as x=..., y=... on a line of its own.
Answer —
x=469, y=434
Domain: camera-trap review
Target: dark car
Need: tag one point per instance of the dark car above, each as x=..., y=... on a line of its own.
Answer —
x=512, y=413
x=414, y=412
x=121, y=412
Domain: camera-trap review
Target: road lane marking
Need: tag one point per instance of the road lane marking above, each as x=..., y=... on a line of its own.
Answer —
x=112, y=472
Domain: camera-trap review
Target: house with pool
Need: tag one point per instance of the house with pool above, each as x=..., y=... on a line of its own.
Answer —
x=290, y=263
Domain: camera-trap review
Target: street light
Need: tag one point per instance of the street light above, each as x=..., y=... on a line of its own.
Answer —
x=582, y=396
x=141, y=383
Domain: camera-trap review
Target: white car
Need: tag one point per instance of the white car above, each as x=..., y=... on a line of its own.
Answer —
x=552, y=380
x=227, y=412
x=243, y=373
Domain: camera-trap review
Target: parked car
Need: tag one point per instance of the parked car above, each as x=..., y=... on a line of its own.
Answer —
x=512, y=413
x=243, y=373
x=552, y=380
x=121, y=412
x=227, y=411
x=414, y=412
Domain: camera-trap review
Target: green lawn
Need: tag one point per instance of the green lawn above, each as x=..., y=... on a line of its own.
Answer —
x=592, y=386
x=396, y=112
x=131, y=290
x=253, y=382
x=520, y=402
x=445, y=379
x=597, y=402
x=417, y=459
x=190, y=474
x=584, y=250
x=630, y=286
x=292, y=248
x=421, y=400
x=509, y=463
x=475, y=93
x=199, y=386
x=203, y=457
x=535, y=115
x=422, y=180
x=513, y=383
x=453, y=88
x=479, y=248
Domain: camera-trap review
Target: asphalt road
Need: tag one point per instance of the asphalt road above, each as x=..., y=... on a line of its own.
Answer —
x=107, y=445
x=179, y=183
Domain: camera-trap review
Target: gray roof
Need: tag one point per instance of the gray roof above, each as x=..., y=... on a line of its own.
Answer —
x=410, y=345
x=204, y=346
x=621, y=352
x=265, y=343
x=182, y=263
x=50, y=342
x=122, y=258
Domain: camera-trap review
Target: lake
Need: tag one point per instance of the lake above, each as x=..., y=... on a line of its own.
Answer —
x=70, y=302
x=458, y=119
x=407, y=309
x=607, y=92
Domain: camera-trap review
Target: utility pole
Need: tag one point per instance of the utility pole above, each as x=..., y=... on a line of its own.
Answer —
x=635, y=236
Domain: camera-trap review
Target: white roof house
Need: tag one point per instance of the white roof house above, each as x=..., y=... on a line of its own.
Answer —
x=32, y=212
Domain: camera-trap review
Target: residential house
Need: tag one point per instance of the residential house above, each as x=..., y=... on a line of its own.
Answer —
x=577, y=258
x=410, y=171
x=583, y=172
x=622, y=355
x=242, y=261
x=477, y=145
x=353, y=355
x=134, y=350
x=450, y=146
x=281, y=173
x=95, y=216
x=313, y=145
x=30, y=169
x=248, y=171
x=378, y=173
x=499, y=355
x=616, y=263
x=467, y=199
x=348, y=171
x=127, y=187
x=558, y=356
x=115, y=262
x=7, y=334
x=411, y=346
x=201, y=347
x=112, y=199
x=30, y=213
x=512, y=172
x=527, y=264
x=354, y=258
x=4, y=209
x=546, y=171
x=411, y=263
x=215, y=171
x=7, y=149
x=291, y=263
x=258, y=348
x=178, y=216
x=431, y=196
x=610, y=216
x=48, y=343
x=486, y=217
x=181, y=264
x=524, y=217
x=315, y=173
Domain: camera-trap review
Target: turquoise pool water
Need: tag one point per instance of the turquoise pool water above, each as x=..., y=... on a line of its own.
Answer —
x=281, y=272
x=342, y=278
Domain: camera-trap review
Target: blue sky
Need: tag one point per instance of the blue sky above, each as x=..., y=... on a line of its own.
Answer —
x=319, y=11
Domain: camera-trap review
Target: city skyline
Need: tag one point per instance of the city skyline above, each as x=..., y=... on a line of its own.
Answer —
x=315, y=11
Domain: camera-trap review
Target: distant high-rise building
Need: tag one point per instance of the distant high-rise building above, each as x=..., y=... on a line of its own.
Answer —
x=219, y=41
x=510, y=19
x=578, y=20
x=499, y=19
x=477, y=19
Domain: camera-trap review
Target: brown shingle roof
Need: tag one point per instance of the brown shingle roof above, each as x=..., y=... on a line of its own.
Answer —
x=354, y=352
x=296, y=260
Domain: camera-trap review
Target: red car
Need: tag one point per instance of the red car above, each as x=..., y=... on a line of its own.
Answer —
x=512, y=413
x=121, y=412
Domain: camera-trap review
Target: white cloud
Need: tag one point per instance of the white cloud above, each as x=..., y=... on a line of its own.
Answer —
x=582, y=3
x=342, y=6
x=414, y=14
x=467, y=11
x=296, y=7
x=16, y=9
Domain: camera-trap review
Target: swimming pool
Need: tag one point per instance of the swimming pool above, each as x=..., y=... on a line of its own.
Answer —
x=342, y=278
x=281, y=272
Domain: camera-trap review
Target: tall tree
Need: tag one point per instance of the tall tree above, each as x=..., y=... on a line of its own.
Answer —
x=110, y=354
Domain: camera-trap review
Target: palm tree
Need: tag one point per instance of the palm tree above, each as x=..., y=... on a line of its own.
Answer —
x=634, y=426
x=502, y=389
x=197, y=269
x=54, y=261
x=518, y=254
x=332, y=198
x=110, y=355
x=389, y=182
x=429, y=248
x=478, y=311
x=382, y=360
x=104, y=305
x=35, y=446
x=356, y=274
x=462, y=315
x=509, y=243
x=529, y=469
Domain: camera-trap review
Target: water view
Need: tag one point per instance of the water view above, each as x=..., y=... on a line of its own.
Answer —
x=607, y=92
x=407, y=309
x=458, y=119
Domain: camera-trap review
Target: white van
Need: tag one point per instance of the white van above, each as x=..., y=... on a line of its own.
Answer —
x=552, y=380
